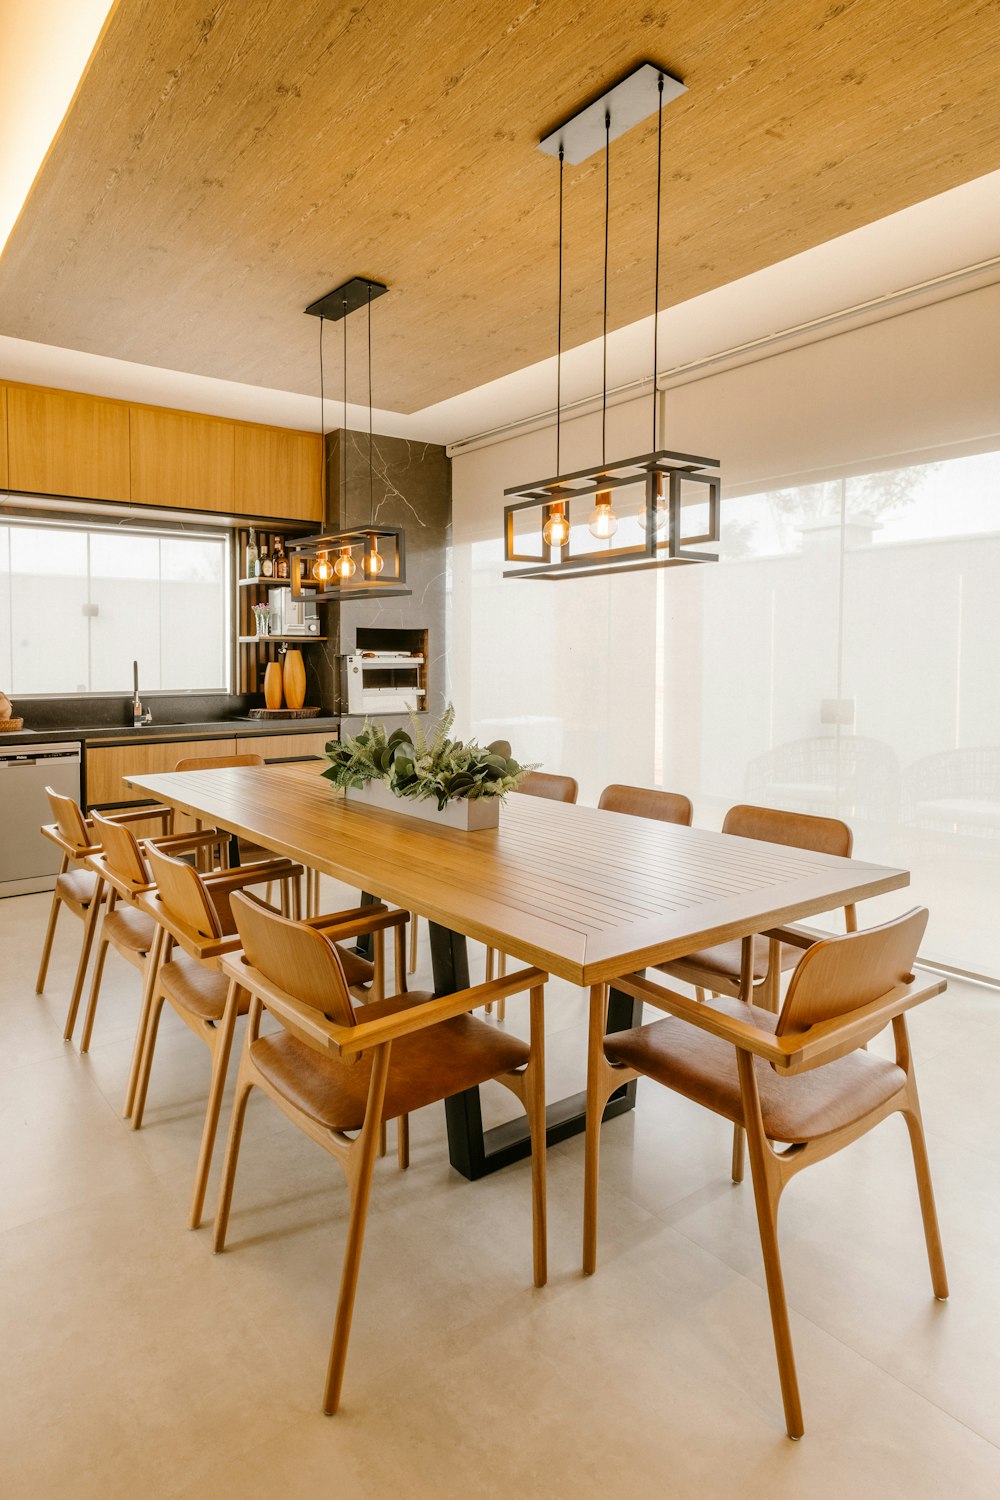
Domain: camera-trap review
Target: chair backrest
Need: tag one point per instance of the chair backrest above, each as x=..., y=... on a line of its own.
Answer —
x=294, y=958
x=647, y=802
x=69, y=820
x=544, y=784
x=121, y=850
x=841, y=974
x=185, y=897
x=215, y=762
x=800, y=830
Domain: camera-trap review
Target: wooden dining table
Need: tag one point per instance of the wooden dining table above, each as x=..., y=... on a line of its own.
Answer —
x=587, y=895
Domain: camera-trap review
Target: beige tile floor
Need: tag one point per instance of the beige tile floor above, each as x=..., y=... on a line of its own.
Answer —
x=135, y=1364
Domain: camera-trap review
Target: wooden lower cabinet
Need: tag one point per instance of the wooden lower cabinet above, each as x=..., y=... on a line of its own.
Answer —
x=285, y=746
x=107, y=764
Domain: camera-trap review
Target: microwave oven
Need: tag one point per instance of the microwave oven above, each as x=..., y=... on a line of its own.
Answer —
x=293, y=616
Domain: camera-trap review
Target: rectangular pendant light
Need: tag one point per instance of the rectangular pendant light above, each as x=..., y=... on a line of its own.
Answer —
x=660, y=487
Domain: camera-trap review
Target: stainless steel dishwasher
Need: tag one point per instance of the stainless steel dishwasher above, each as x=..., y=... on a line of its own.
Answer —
x=29, y=862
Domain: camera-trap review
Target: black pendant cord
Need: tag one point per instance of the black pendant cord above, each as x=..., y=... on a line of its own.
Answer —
x=607, y=213
x=656, y=282
x=559, y=316
x=371, y=481
x=322, y=424
x=343, y=440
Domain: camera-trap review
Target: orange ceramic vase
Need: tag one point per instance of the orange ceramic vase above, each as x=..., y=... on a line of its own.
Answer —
x=272, y=685
x=295, y=679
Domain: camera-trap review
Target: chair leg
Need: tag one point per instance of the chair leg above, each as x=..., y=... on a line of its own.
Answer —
x=95, y=990
x=925, y=1189
x=403, y=1142
x=50, y=931
x=534, y=1103
x=502, y=974
x=221, y=1048
x=146, y=1065
x=89, y=929
x=297, y=898
x=383, y=1144
x=243, y=1087
x=360, y=1169
x=414, y=939
x=739, y=1153
x=767, y=1191
x=600, y=1087
x=149, y=980
x=490, y=963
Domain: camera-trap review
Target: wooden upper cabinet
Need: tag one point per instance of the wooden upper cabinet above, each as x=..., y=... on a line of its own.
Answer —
x=64, y=443
x=180, y=458
x=3, y=437
x=278, y=473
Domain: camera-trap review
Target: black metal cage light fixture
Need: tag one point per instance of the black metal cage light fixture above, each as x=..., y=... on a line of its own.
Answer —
x=652, y=511
x=368, y=560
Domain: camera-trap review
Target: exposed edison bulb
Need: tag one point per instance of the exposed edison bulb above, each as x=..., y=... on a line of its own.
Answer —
x=603, y=521
x=556, y=529
x=661, y=511
x=374, y=561
x=322, y=568
x=345, y=566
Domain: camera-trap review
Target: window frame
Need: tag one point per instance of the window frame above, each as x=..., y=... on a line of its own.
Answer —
x=198, y=531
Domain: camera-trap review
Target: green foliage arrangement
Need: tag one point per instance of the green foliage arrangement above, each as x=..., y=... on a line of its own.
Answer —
x=411, y=765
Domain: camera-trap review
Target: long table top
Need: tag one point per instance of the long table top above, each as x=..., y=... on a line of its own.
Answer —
x=584, y=894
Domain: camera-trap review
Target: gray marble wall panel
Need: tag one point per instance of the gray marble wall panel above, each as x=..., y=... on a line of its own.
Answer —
x=410, y=487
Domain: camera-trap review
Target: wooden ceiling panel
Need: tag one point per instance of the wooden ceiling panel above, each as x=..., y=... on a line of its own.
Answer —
x=224, y=164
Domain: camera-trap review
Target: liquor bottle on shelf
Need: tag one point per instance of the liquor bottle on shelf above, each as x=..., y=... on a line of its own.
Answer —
x=266, y=565
x=253, y=556
x=281, y=569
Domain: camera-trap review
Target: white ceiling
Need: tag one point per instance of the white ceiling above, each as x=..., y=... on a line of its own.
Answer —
x=953, y=231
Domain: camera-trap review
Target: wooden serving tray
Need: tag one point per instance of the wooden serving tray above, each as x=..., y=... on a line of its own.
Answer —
x=283, y=713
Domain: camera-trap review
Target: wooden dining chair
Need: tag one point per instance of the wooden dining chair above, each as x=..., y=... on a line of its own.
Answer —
x=195, y=918
x=338, y=1073
x=123, y=867
x=647, y=802
x=554, y=789
x=800, y=1083
x=79, y=888
x=746, y=969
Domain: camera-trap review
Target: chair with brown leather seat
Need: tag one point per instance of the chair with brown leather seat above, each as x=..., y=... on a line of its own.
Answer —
x=722, y=970
x=124, y=868
x=195, y=916
x=336, y=1072
x=241, y=849
x=554, y=789
x=801, y=1083
x=647, y=802
x=547, y=784
x=79, y=888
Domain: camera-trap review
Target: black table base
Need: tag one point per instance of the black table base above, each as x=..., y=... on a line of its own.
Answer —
x=476, y=1152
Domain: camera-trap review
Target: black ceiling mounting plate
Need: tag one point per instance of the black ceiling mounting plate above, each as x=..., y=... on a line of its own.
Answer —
x=347, y=298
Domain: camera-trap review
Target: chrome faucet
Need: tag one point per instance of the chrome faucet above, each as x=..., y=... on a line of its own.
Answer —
x=138, y=717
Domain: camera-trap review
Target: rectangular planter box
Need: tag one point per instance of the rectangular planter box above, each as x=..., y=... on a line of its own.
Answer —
x=470, y=814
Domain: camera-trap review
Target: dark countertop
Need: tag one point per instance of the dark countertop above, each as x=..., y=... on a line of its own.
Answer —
x=215, y=729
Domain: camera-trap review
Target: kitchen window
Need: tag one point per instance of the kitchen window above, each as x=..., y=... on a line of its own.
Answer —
x=79, y=603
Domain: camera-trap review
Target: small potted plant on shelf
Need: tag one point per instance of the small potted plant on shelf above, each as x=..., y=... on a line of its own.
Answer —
x=452, y=783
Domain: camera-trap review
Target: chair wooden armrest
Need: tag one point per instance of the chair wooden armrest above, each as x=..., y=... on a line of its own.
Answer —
x=193, y=942
x=186, y=843
x=796, y=935
x=358, y=923
x=243, y=875
x=141, y=815
x=351, y=1041
x=51, y=831
x=128, y=888
x=823, y=1042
